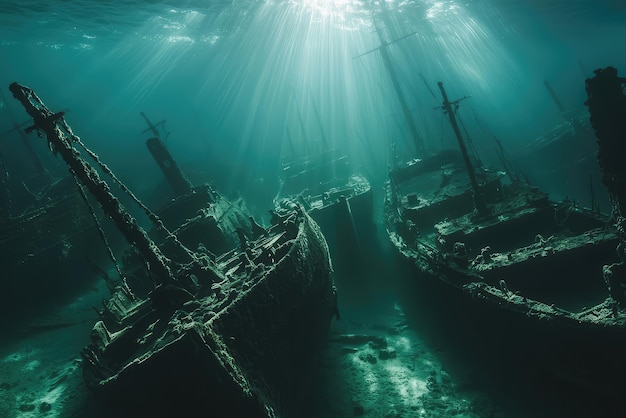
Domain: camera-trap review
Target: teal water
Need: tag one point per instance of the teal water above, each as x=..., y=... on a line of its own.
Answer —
x=233, y=77
x=242, y=83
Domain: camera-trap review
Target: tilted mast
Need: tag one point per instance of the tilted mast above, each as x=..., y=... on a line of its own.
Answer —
x=173, y=174
x=479, y=204
x=417, y=140
x=51, y=123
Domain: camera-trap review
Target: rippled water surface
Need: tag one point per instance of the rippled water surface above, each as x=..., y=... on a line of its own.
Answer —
x=236, y=79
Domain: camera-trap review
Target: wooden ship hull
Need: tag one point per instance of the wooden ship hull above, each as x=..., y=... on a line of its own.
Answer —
x=238, y=343
x=48, y=238
x=49, y=251
x=563, y=161
x=530, y=277
x=536, y=281
x=26, y=238
x=338, y=199
x=323, y=181
x=189, y=331
x=344, y=210
x=206, y=220
x=203, y=221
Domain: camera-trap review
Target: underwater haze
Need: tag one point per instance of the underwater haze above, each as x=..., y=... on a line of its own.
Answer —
x=238, y=88
x=242, y=84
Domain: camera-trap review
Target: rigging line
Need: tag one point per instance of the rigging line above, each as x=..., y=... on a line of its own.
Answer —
x=428, y=87
x=513, y=172
x=156, y=220
x=153, y=217
x=469, y=140
x=101, y=233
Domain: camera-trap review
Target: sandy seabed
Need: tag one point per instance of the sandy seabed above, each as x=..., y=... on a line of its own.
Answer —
x=40, y=364
x=369, y=366
x=377, y=366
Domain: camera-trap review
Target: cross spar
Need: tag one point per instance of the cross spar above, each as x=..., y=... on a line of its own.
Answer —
x=51, y=123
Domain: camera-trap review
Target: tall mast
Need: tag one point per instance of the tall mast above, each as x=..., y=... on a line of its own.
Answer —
x=562, y=110
x=479, y=204
x=153, y=127
x=417, y=140
x=174, y=176
x=48, y=122
x=555, y=98
x=31, y=152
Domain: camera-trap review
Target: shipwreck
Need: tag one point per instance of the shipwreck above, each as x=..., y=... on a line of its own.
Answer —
x=333, y=191
x=506, y=264
x=46, y=225
x=197, y=330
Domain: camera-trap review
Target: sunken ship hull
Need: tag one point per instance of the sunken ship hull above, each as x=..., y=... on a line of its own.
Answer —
x=526, y=279
x=51, y=251
x=563, y=161
x=344, y=212
x=236, y=346
x=201, y=334
x=508, y=270
x=338, y=199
